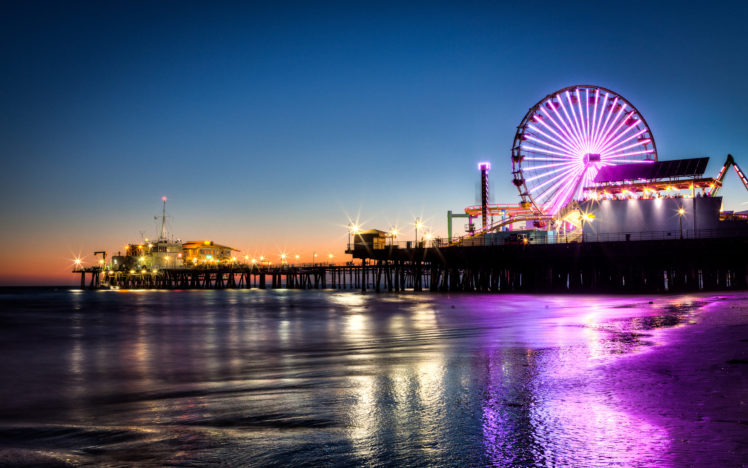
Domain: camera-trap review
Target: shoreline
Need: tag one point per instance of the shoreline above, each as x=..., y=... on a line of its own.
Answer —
x=653, y=294
x=592, y=381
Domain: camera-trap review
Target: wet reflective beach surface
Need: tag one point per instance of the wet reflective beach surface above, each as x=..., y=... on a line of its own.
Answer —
x=339, y=378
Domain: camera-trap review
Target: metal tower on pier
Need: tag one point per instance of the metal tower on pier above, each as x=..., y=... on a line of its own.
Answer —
x=162, y=235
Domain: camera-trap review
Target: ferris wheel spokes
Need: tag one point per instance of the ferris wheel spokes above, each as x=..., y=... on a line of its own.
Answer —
x=568, y=136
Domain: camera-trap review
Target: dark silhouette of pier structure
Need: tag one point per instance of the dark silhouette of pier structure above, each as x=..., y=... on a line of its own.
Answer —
x=619, y=266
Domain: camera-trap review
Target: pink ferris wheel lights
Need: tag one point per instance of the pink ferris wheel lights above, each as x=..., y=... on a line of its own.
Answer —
x=568, y=136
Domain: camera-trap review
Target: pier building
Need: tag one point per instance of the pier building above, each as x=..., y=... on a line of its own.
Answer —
x=163, y=254
x=206, y=252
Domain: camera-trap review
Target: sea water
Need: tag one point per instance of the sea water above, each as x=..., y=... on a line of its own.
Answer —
x=287, y=377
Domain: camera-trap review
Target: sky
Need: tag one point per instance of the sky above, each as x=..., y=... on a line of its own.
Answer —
x=270, y=126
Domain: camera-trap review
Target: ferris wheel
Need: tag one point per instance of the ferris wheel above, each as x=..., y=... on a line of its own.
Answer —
x=567, y=137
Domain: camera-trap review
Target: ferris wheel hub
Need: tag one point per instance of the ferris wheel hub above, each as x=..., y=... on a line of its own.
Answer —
x=590, y=158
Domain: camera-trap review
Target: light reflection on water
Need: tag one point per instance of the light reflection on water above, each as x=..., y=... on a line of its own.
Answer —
x=294, y=377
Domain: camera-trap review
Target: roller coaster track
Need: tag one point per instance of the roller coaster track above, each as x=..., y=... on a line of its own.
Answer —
x=503, y=222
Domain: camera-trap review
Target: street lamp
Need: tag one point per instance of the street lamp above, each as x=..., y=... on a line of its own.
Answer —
x=428, y=238
x=586, y=218
x=314, y=258
x=393, y=235
x=418, y=224
x=681, y=212
x=283, y=259
x=352, y=229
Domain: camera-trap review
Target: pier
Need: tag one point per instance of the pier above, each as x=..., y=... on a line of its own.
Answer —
x=618, y=266
x=350, y=276
x=608, y=266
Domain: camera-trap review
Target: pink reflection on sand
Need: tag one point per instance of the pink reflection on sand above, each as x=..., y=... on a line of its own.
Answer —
x=561, y=420
x=567, y=411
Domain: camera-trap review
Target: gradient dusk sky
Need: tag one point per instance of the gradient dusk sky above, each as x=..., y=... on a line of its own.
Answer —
x=270, y=125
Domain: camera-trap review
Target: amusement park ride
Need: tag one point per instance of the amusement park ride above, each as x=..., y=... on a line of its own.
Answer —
x=584, y=143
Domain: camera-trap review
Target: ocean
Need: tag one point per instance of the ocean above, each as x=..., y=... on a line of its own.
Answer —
x=340, y=378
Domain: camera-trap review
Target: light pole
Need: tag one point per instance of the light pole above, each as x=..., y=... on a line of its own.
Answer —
x=352, y=229
x=428, y=238
x=314, y=258
x=418, y=224
x=393, y=235
x=356, y=230
x=586, y=218
x=681, y=212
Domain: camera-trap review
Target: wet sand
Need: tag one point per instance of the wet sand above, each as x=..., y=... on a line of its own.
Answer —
x=695, y=385
x=267, y=378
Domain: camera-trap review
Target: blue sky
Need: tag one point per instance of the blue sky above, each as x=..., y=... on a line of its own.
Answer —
x=267, y=124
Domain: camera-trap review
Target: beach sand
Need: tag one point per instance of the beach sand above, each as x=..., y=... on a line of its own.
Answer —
x=695, y=385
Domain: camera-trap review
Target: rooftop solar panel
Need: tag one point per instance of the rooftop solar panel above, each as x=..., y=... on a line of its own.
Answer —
x=693, y=167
